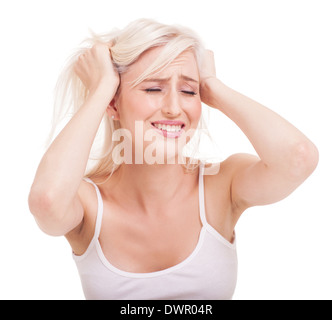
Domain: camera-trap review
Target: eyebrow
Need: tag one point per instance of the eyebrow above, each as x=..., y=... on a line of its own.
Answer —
x=183, y=77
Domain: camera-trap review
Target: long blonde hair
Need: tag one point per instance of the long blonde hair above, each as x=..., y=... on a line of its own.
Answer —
x=127, y=46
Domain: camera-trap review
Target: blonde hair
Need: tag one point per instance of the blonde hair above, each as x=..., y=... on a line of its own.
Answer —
x=127, y=46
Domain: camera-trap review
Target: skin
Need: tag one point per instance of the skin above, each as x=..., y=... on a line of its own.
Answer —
x=169, y=101
x=150, y=209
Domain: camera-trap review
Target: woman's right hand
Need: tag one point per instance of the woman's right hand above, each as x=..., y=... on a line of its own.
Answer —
x=96, y=70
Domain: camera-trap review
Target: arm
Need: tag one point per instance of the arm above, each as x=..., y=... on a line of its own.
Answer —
x=54, y=199
x=286, y=156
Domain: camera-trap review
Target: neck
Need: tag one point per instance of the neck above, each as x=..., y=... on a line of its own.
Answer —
x=152, y=186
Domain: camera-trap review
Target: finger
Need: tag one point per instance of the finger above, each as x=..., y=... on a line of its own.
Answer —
x=110, y=45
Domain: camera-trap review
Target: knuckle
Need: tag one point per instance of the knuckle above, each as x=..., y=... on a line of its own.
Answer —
x=81, y=57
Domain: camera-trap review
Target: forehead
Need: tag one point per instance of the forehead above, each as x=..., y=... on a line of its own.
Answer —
x=185, y=63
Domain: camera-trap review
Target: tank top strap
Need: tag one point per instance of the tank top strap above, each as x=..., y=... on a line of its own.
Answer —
x=201, y=194
x=100, y=209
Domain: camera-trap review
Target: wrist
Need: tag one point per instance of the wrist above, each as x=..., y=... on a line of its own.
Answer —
x=211, y=88
x=105, y=88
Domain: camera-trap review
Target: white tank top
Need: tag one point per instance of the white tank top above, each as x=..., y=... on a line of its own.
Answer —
x=209, y=273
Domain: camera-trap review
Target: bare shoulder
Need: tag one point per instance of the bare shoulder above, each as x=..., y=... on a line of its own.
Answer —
x=80, y=237
x=219, y=179
x=220, y=175
x=222, y=213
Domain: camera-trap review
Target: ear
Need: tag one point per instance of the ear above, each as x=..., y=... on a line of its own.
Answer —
x=112, y=110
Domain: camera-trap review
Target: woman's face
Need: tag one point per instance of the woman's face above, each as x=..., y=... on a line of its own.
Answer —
x=165, y=108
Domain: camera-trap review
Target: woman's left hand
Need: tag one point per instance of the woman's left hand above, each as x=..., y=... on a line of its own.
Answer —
x=285, y=155
x=208, y=73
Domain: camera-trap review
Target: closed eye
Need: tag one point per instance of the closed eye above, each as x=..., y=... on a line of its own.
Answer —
x=191, y=93
x=153, y=90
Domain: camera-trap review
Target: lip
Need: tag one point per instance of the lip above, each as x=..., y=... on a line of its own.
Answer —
x=167, y=134
x=169, y=122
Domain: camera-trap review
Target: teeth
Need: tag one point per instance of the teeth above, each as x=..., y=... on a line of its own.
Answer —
x=168, y=127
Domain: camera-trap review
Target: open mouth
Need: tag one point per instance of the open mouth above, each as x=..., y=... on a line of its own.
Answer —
x=171, y=129
x=168, y=128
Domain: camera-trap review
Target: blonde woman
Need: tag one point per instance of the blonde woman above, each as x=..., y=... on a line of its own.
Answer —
x=146, y=229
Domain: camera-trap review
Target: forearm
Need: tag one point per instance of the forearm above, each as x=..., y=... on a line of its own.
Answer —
x=277, y=142
x=62, y=167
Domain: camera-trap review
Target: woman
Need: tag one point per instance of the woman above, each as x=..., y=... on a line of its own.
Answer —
x=146, y=229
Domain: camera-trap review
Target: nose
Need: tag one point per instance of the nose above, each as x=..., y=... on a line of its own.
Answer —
x=171, y=104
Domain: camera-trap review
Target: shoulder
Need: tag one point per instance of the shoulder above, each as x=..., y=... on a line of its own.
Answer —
x=218, y=185
x=80, y=237
x=88, y=195
x=221, y=174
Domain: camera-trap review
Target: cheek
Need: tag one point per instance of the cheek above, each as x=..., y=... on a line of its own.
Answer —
x=137, y=106
x=194, y=112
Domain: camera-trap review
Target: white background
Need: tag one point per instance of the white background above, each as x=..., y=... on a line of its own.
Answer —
x=277, y=52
